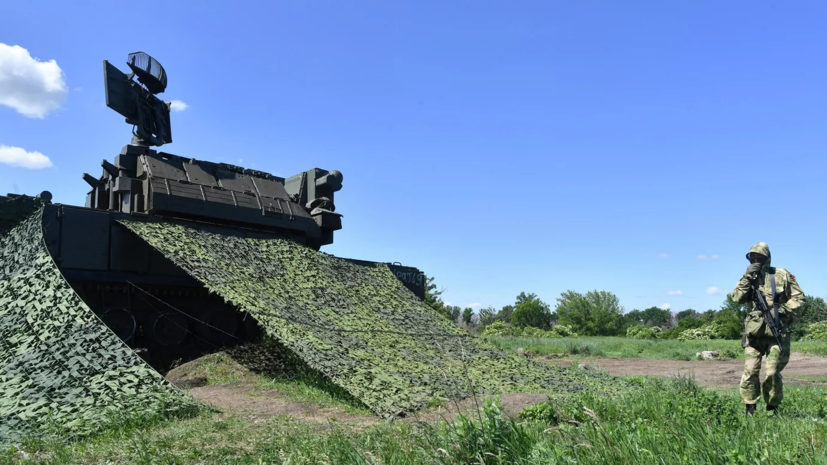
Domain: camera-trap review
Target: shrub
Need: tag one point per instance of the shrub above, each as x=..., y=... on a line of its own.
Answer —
x=498, y=328
x=642, y=332
x=689, y=322
x=710, y=331
x=563, y=331
x=816, y=332
x=543, y=412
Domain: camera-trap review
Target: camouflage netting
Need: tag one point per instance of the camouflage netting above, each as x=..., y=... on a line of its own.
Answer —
x=356, y=324
x=61, y=368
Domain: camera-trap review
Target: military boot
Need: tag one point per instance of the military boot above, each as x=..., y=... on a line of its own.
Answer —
x=750, y=409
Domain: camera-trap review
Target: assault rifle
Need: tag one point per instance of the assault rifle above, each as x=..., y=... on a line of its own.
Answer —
x=761, y=304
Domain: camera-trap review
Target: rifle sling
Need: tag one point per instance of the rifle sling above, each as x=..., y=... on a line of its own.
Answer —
x=774, y=301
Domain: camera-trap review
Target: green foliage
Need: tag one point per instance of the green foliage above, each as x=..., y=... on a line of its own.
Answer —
x=685, y=323
x=433, y=297
x=544, y=412
x=501, y=328
x=63, y=371
x=709, y=331
x=356, y=324
x=597, y=313
x=467, y=314
x=816, y=332
x=531, y=311
x=642, y=332
x=652, y=316
x=740, y=309
x=505, y=313
x=686, y=313
x=814, y=310
x=729, y=324
x=488, y=315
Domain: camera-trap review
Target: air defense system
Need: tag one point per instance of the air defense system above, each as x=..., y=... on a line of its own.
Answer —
x=156, y=308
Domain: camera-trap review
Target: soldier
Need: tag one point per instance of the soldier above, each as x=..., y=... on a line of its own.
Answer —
x=758, y=339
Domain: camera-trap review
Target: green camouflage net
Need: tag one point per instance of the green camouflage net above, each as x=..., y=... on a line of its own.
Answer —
x=356, y=324
x=61, y=368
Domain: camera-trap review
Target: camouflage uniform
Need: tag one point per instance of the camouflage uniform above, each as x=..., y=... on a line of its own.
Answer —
x=758, y=339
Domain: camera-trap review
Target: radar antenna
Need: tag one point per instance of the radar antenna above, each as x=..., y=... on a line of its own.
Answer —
x=137, y=102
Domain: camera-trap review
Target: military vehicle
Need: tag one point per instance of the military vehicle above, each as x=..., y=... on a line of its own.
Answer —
x=156, y=308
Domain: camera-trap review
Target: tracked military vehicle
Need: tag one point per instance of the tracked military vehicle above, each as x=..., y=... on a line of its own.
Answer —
x=156, y=308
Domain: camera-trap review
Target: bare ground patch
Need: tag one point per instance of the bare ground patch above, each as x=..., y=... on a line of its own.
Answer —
x=709, y=372
x=252, y=402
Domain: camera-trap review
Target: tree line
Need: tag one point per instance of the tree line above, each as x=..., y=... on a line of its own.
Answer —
x=599, y=313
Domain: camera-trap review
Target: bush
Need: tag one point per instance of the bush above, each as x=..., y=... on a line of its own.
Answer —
x=710, y=331
x=500, y=328
x=543, y=412
x=816, y=332
x=688, y=322
x=642, y=332
x=563, y=331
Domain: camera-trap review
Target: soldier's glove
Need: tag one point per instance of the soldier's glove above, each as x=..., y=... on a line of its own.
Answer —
x=752, y=270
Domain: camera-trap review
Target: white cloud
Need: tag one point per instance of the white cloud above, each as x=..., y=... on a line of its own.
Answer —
x=177, y=105
x=32, y=87
x=714, y=257
x=663, y=255
x=676, y=292
x=665, y=306
x=15, y=156
x=712, y=290
x=703, y=257
x=474, y=305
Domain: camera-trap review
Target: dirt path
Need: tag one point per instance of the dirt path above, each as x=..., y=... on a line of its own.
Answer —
x=708, y=373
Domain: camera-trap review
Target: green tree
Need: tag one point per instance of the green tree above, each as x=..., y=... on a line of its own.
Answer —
x=730, y=305
x=467, y=314
x=531, y=311
x=433, y=297
x=597, y=313
x=730, y=324
x=453, y=313
x=505, y=313
x=687, y=322
x=655, y=316
x=685, y=313
x=813, y=310
x=488, y=315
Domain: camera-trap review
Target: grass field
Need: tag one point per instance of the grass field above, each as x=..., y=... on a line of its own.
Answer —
x=667, y=349
x=662, y=421
x=657, y=421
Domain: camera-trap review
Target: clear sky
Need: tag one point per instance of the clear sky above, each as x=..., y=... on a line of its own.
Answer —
x=501, y=147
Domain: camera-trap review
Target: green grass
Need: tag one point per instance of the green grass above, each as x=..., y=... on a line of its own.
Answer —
x=818, y=379
x=663, y=421
x=620, y=347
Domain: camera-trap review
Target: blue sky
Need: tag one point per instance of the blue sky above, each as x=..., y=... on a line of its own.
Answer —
x=500, y=146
